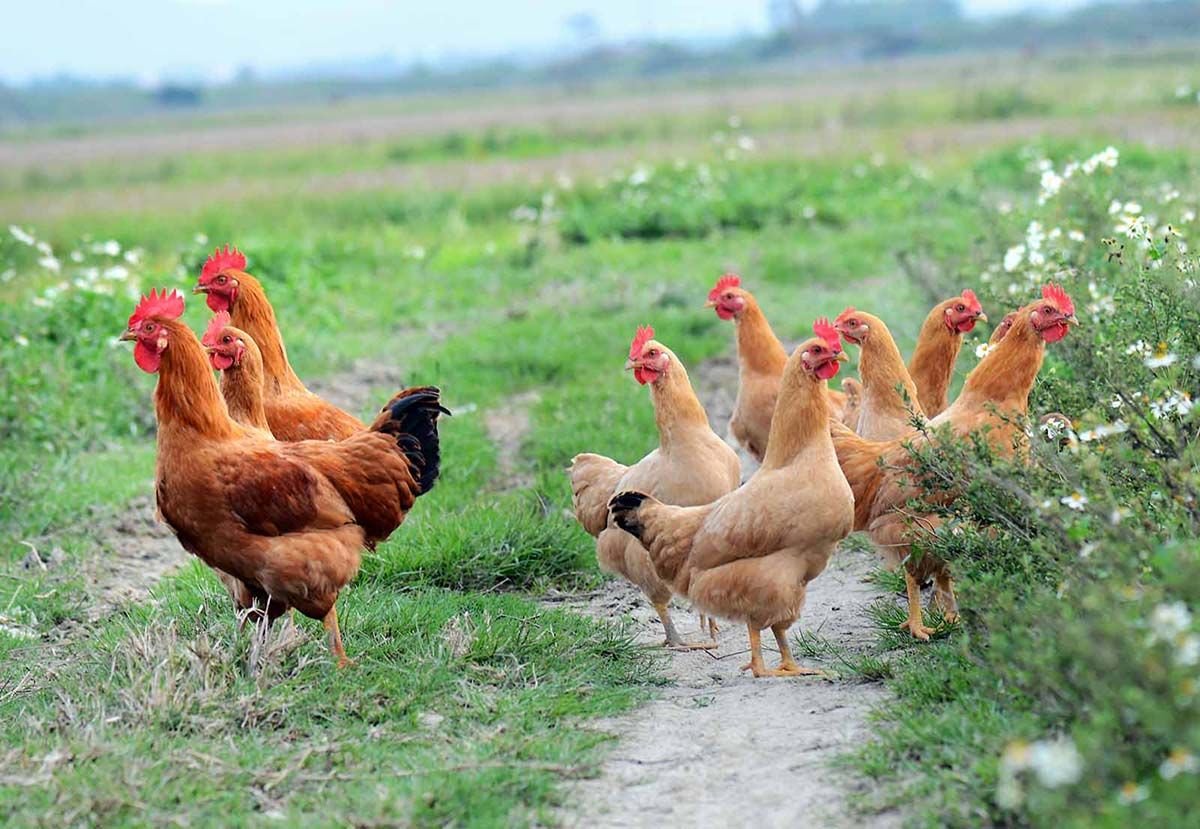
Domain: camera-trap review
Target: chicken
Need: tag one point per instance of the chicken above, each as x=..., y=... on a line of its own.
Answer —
x=293, y=412
x=234, y=353
x=994, y=400
x=1002, y=328
x=750, y=555
x=938, y=344
x=883, y=413
x=691, y=465
x=761, y=359
x=287, y=520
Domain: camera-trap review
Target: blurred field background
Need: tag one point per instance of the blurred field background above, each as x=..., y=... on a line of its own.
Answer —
x=499, y=226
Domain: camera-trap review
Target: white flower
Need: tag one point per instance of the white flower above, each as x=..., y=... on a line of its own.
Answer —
x=524, y=213
x=1085, y=552
x=734, y=122
x=1116, y=402
x=1160, y=359
x=1132, y=793
x=201, y=239
x=41, y=302
x=640, y=175
x=1056, y=763
x=808, y=211
x=21, y=340
x=1188, y=216
x=1139, y=347
x=1051, y=182
x=1180, y=761
x=1013, y=258
x=1188, y=651
x=117, y=272
x=133, y=256
x=21, y=236
x=415, y=252
x=1114, y=207
x=50, y=263
x=745, y=143
x=1176, y=402
x=76, y=256
x=1168, y=621
x=1104, y=430
x=1075, y=236
x=1131, y=225
x=1076, y=501
x=983, y=349
x=1118, y=515
x=1004, y=208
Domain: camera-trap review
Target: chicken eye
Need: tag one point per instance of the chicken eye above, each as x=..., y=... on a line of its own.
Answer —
x=817, y=349
x=228, y=339
x=148, y=327
x=222, y=279
x=960, y=307
x=1047, y=310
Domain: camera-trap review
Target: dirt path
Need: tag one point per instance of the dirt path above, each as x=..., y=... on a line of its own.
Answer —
x=718, y=747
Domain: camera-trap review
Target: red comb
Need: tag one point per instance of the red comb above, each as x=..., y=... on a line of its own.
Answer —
x=825, y=330
x=222, y=260
x=971, y=301
x=215, y=326
x=845, y=315
x=158, y=304
x=1059, y=297
x=729, y=280
x=644, y=335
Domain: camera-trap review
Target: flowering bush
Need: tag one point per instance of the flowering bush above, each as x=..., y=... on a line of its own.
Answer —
x=1081, y=569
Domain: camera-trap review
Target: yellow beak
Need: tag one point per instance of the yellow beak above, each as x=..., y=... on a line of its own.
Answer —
x=842, y=357
x=710, y=304
x=1074, y=320
x=128, y=336
x=982, y=317
x=630, y=365
x=200, y=289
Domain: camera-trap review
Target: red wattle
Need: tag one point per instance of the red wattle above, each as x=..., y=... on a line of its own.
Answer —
x=827, y=369
x=220, y=361
x=147, y=359
x=724, y=313
x=1055, y=332
x=966, y=325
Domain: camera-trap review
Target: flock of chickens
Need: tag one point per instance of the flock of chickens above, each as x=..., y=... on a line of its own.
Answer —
x=271, y=486
x=680, y=522
x=279, y=491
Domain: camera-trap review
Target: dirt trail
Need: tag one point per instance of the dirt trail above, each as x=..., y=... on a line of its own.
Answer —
x=718, y=747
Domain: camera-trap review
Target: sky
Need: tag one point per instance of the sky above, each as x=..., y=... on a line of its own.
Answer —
x=148, y=40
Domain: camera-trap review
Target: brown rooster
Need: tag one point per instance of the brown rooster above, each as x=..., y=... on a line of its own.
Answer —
x=691, y=465
x=293, y=412
x=287, y=520
x=750, y=555
x=994, y=399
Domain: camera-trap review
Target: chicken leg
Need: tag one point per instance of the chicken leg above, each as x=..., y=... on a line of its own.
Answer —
x=709, y=623
x=674, y=641
x=943, y=596
x=787, y=665
x=914, y=623
x=335, y=638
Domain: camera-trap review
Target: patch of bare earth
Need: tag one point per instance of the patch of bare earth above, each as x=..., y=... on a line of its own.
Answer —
x=718, y=747
x=507, y=428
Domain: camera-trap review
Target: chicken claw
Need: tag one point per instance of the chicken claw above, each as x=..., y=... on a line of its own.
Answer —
x=914, y=624
x=676, y=642
x=787, y=665
x=335, y=638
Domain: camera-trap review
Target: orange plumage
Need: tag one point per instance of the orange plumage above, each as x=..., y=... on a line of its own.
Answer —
x=287, y=520
x=932, y=364
x=994, y=400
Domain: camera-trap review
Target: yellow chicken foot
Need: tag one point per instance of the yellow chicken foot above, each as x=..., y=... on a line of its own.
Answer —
x=335, y=638
x=787, y=665
x=709, y=623
x=914, y=623
x=943, y=596
x=674, y=641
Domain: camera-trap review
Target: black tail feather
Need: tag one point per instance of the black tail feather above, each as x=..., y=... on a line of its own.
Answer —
x=624, y=508
x=412, y=418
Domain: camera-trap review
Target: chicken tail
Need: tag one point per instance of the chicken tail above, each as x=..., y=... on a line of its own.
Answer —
x=411, y=417
x=665, y=531
x=594, y=479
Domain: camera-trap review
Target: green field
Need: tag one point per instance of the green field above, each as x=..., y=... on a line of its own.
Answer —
x=509, y=264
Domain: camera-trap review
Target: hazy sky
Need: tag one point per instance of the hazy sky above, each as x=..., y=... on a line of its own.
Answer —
x=147, y=39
